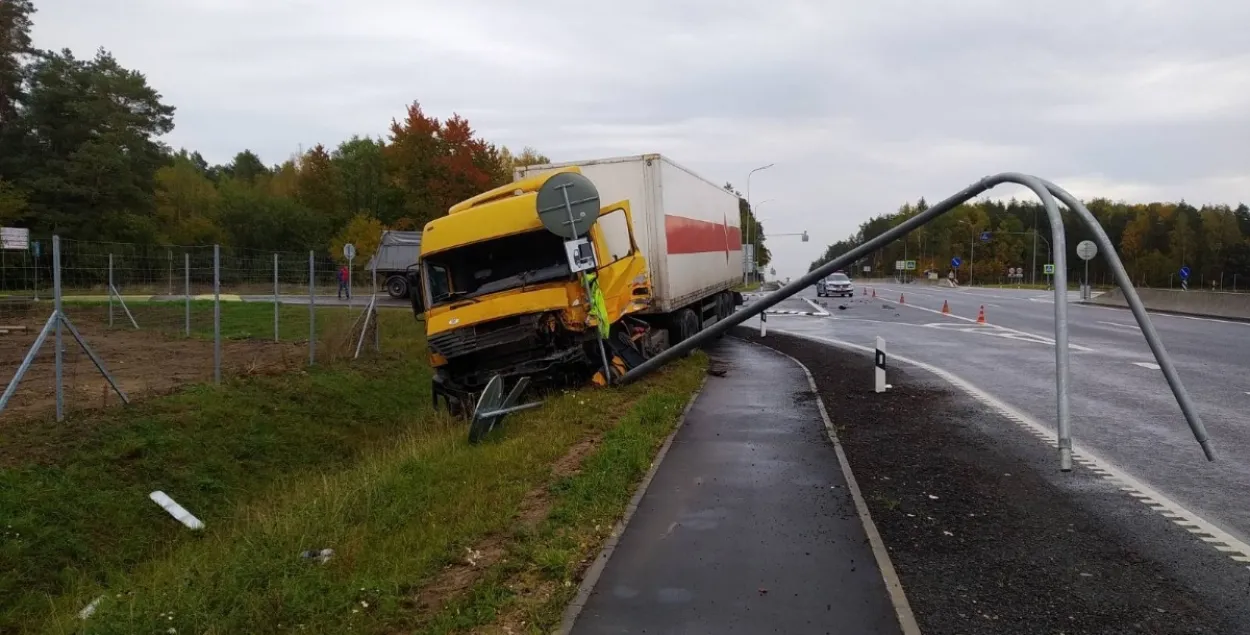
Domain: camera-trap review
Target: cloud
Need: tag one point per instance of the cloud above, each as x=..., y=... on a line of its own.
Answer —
x=861, y=106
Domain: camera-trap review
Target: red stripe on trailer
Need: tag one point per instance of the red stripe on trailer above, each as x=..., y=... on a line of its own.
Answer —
x=691, y=236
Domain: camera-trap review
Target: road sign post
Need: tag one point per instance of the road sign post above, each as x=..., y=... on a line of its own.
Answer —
x=1086, y=250
x=1185, y=278
x=349, y=252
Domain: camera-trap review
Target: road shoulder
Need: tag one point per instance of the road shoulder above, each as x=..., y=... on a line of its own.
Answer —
x=988, y=537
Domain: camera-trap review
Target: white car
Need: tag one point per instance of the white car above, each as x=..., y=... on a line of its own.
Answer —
x=836, y=284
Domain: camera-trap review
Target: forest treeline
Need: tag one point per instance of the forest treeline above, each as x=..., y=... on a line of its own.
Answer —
x=1154, y=240
x=81, y=156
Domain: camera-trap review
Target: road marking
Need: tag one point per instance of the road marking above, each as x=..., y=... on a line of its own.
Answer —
x=1178, y=513
x=819, y=309
x=893, y=585
x=1150, y=365
x=1024, y=334
x=1154, y=314
x=1123, y=326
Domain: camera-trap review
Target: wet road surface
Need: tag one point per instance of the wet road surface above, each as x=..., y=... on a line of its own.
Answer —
x=1122, y=408
x=748, y=525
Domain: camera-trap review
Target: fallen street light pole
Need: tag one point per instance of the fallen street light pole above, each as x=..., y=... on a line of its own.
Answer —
x=1043, y=190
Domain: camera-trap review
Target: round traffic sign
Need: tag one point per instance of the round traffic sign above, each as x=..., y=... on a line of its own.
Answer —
x=1086, y=249
x=568, y=204
x=955, y=262
x=349, y=251
x=1185, y=271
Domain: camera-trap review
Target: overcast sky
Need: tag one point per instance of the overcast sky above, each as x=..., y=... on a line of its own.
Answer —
x=861, y=105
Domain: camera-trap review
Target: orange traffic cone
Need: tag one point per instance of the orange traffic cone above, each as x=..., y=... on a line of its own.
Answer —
x=946, y=308
x=981, y=315
x=900, y=299
x=874, y=293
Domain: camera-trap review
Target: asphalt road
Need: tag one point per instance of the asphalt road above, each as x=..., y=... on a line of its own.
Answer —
x=1122, y=409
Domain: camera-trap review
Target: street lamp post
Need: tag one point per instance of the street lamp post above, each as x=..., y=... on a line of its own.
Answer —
x=752, y=234
x=751, y=214
x=972, y=250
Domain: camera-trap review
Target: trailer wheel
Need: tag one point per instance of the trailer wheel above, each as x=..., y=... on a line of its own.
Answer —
x=397, y=287
x=724, y=308
x=683, y=327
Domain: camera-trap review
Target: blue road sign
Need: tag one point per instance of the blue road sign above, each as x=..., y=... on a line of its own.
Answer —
x=985, y=237
x=955, y=262
x=1185, y=272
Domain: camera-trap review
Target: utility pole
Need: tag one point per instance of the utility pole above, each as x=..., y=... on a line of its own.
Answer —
x=1033, y=271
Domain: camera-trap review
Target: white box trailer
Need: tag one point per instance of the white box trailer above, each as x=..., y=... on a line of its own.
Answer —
x=686, y=226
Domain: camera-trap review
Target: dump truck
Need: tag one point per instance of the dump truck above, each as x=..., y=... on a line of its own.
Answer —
x=397, y=253
x=501, y=294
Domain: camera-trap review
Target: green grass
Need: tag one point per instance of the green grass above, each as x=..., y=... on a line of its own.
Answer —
x=351, y=458
x=73, y=496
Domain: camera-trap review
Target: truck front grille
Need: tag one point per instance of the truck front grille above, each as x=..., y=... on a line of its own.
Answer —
x=476, y=338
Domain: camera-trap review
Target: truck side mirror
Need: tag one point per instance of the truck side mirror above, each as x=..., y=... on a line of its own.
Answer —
x=416, y=293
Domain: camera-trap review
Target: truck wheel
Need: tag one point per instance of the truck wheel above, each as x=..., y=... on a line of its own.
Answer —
x=685, y=324
x=724, y=308
x=397, y=287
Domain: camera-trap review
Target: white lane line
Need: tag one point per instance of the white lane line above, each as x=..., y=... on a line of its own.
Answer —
x=1150, y=365
x=1154, y=314
x=819, y=309
x=1133, y=327
x=1175, y=511
x=1032, y=337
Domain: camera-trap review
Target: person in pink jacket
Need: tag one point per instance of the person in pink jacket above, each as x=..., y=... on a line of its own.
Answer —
x=343, y=288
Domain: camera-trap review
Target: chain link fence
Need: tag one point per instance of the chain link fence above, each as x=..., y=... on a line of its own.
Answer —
x=158, y=318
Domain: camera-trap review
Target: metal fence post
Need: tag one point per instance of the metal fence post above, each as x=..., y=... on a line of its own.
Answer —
x=109, y=291
x=312, y=308
x=217, y=314
x=275, y=297
x=186, y=271
x=377, y=322
x=58, y=343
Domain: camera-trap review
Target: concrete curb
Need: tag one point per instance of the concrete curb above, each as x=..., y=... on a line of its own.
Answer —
x=591, y=578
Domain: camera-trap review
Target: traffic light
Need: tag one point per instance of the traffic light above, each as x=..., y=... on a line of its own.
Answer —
x=804, y=236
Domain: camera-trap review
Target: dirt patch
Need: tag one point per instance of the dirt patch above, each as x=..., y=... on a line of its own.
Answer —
x=145, y=363
x=514, y=620
x=458, y=577
x=982, y=541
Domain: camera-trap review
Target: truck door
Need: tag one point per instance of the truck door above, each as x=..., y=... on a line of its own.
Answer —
x=621, y=264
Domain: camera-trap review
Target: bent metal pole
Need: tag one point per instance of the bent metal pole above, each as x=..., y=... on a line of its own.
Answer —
x=806, y=280
x=1139, y=312
x=1061, y=331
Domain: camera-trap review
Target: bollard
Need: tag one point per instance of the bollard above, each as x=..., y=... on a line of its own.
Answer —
x=879, y=371
x=763, y=324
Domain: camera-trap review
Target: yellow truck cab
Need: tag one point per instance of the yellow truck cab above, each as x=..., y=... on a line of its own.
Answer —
x=499, y=296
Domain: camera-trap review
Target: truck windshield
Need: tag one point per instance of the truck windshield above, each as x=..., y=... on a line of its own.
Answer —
x=495, y=265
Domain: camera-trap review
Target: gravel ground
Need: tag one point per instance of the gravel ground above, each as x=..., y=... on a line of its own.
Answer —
x=984, y=540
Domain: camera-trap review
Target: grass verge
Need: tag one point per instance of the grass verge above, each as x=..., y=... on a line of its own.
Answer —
x=348, y=458
x=74, y=512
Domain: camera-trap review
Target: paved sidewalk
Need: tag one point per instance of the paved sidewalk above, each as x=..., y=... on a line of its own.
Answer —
x=748, y=525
